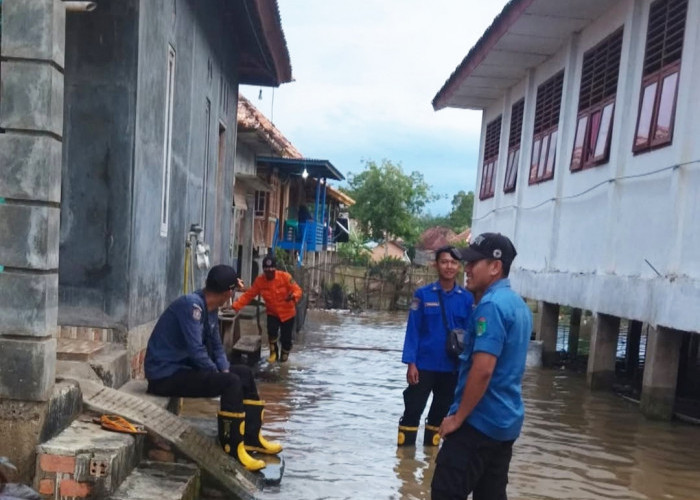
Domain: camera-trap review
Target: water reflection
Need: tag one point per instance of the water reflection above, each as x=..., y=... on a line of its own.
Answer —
x=335, y=406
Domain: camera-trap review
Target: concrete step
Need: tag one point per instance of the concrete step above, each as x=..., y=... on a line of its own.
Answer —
x=77, y=350
x=158, y=480
x=112, y=365
x=139, y=387
x=85, y=461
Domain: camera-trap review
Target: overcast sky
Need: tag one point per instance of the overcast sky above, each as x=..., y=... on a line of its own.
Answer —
x=365, y=74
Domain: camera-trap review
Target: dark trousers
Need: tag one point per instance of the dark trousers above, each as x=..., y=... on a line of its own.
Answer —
x=233, y=387
x=470, y=461
x=275, y=327
x=441, y=384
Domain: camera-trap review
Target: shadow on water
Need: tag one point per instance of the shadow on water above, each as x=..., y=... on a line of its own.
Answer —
x=335, y=407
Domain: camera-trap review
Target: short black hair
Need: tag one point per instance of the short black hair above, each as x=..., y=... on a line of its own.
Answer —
x=447, y=249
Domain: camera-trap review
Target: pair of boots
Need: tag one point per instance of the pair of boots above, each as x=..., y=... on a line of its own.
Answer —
x=240, y=433
x=407, y=435
x=275, y=353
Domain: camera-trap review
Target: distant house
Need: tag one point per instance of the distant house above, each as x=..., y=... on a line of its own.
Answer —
x=393, y=249
x=430, y=240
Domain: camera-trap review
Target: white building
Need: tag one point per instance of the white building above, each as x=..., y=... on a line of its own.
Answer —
x=590, y=162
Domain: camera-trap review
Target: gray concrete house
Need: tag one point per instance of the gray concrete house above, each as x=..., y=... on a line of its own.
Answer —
x=117, y=135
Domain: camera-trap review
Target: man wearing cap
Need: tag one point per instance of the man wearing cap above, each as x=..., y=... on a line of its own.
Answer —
x=487, y=413
x=281, y=294
x=185, y=358
x=430, y=369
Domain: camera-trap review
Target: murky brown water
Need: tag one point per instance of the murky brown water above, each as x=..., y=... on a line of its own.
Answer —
x=336, y=404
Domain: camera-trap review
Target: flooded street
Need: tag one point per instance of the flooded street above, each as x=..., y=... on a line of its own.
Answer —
x=335, y=407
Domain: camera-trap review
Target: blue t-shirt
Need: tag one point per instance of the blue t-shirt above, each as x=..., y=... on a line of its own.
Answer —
x=186, y=337
x=426, y=336
x=500, y=325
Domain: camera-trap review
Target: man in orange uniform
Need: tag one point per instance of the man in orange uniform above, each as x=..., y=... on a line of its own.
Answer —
x=280, y=293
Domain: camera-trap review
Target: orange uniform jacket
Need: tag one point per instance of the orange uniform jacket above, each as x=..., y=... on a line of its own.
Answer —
x=274, y=292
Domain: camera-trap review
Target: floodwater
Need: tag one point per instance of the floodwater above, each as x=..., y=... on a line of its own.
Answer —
x=335, y=407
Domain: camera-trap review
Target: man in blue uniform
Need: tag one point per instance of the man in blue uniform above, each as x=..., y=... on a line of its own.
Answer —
x=487, y=413
x=430, y=369
x=185, y=358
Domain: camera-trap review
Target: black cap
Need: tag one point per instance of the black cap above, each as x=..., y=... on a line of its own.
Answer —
x=269, y=261
x=221, y=278
x=490, y=246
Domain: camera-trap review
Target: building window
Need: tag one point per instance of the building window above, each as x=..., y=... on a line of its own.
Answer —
x=544, y=143
x=260, y=203
x=596, y=104
x=516, y=128
x=662, y=66
x=167, y=141
x=488, y=170
x=205, y=165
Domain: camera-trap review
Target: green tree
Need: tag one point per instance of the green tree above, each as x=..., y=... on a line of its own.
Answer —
x=462, y=209
x=388, y=201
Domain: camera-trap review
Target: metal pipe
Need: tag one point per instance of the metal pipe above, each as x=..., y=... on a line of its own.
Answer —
x=79, y=6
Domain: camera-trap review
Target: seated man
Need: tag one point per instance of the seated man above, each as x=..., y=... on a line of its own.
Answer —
x=185, y=358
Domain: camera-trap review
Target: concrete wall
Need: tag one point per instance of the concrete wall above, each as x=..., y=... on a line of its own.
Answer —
x=120, y=271
x=584, y=238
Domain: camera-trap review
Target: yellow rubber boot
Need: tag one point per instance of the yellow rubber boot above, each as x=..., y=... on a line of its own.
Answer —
x=274, y=352
x=254, y=441
x=231, y=432
x=431, y=436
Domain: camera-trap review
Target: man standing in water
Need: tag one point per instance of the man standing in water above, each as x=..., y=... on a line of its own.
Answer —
x=430, y=369
x=280, y=293
x=184, y=358
x=487, y=413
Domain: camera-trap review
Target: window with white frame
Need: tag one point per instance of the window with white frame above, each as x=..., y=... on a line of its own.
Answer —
x=167, y=141
x=596, y=105
x=660, y=75
x=488, y=169
x=205, y=165
x=544, y=142
x=260, y=203
x=516, y=128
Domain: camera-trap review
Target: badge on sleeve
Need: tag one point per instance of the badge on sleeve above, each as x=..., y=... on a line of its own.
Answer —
x=480, y=326
x=196, y=313
x=415, y=304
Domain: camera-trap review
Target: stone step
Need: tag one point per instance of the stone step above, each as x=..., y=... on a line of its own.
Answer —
x=77, y=350
x=247, y=350
x=139, y=387
x=85, y=461
x=112, y=365
x=159, y=480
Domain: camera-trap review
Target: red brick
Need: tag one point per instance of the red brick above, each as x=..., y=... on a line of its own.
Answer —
x=47, y=486
x=161, y=456
x=57, y=463
x=70, y=488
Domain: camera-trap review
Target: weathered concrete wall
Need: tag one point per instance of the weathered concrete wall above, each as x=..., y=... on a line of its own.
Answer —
x=589, y=239
x=116, y=268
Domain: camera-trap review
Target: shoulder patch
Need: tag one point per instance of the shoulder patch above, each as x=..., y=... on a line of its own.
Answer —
x=196, y=312
x=415, y=304
x=480, y=326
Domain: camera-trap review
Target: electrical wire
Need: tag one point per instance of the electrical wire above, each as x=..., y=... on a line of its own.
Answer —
x=588, y=190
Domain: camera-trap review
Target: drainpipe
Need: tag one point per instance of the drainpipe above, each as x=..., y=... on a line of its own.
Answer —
x=79, y=6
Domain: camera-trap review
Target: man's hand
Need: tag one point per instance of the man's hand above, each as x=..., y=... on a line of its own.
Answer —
x=412, y=374
x=239, y=284
x=449, y=424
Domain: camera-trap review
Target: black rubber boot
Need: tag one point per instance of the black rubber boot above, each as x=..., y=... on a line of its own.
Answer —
x=407, y=435
x=254, y=441
x=431, y=435
x=284, y=356
x=231, y=430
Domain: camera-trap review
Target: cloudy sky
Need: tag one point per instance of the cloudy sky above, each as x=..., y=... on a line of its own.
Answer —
x=365, y=74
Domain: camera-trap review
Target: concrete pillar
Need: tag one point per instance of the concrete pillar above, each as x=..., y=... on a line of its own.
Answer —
x=634, y=336
x=547, y=331
x=31, y=112
x=601, y=359
x=574, y=332
x=660, y=373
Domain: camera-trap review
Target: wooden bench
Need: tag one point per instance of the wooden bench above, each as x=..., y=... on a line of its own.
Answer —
x=247, y=350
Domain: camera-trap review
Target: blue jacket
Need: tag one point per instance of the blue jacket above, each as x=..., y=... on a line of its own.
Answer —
x=500, y=325
x=426, y=336
x=186, y=337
